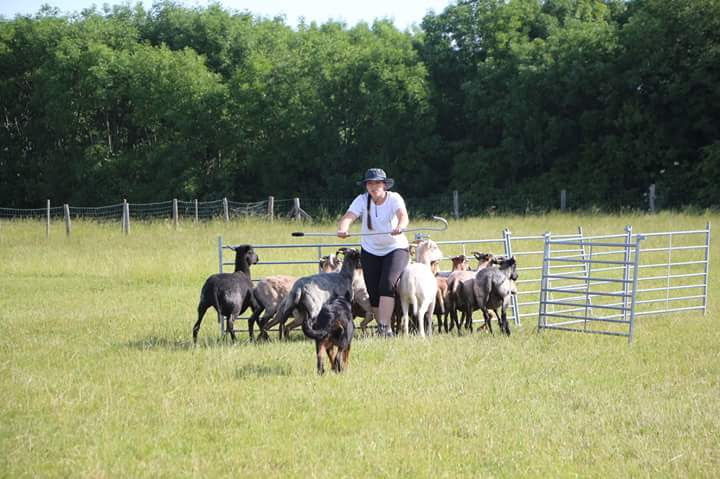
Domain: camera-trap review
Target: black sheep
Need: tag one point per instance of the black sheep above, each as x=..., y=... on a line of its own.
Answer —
x=229, y=293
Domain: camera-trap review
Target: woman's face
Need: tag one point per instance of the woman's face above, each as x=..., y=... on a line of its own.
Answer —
x=376, y=189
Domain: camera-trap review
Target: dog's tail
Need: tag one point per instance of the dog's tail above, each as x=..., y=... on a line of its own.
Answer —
x=308, y=327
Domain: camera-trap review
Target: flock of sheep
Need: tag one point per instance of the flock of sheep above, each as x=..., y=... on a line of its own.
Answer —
x=422, y=291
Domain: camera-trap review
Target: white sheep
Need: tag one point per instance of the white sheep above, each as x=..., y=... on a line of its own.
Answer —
x=417, y=286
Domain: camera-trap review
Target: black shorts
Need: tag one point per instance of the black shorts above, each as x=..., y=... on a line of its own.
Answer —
x=382, y=272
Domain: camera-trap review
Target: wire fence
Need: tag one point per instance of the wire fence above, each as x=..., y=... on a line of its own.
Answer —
x=449, y=204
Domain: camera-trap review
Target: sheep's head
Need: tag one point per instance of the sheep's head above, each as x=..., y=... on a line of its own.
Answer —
x=245, y=255
x=483, y=258
x=351, y=257
x=428, y=251
x=509, y=267
x=460, y=263
x=330, y=263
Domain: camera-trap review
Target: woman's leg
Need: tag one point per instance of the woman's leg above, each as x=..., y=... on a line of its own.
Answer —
x=393, y=265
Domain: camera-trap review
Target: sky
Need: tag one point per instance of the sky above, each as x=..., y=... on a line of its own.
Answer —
x=404, y=13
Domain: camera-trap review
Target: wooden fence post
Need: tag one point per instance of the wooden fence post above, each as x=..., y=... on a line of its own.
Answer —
x=47, y=222
x=226, y=210
x=271, y=208
x=68, y=223
x=563, y=200
x=126, y=217
x=196, y=210
x=456, y=204
x=175, y=212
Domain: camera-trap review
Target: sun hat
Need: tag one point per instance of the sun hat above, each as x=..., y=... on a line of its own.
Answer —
x=377, y=174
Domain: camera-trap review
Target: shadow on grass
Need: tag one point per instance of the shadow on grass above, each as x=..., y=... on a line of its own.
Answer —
x=262, y=370
x=156, y=342
x=181, y=344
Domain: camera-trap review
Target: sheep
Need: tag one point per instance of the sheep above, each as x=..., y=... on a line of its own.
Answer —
x=459, y=263
x=361, y=300
x=269, y=294
x=492, y=288
x=456, y=296
x=229, y=293
x=272, y=290
x=417, y=286
x=309, y=293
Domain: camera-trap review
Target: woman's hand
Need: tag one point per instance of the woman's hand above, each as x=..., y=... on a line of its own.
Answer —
x=397, y=231
x=344, y=224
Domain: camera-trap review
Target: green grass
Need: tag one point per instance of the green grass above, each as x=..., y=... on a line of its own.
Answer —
x=99, y=377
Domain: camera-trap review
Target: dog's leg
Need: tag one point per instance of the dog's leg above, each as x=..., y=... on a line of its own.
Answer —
x=334, y=359
x=320, y=354
x=345, y=357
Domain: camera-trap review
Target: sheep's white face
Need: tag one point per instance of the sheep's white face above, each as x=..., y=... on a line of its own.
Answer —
x=428, y=251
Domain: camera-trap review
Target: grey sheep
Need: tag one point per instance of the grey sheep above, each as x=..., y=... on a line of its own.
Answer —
x=310, y=293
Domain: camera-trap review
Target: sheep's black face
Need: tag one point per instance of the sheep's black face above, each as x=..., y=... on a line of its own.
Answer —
x=513, y=269
x=352, y=256
x=251, y=257
x=247, y=253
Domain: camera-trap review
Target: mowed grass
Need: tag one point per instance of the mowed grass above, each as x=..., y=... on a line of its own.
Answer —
x=99, y=376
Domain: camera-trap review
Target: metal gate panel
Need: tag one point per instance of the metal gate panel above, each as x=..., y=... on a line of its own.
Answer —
x=600, y=301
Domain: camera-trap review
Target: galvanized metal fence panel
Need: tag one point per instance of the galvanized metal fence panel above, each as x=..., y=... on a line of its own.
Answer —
x=589, y=302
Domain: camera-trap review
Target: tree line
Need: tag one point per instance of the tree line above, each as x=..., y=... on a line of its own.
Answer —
x=507, y=101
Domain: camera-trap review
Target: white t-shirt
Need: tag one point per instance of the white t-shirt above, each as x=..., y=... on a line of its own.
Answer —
x=383, y=219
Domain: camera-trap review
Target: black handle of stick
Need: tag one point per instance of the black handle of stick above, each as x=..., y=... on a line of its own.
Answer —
x=297, y=233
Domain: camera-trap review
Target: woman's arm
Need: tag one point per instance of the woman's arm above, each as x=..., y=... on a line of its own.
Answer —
x=403, y=221
x=345, y=223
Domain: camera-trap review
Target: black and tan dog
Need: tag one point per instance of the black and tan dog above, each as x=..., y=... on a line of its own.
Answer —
x=332, y=330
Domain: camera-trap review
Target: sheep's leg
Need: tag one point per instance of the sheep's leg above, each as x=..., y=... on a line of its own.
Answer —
x=201, y=312
x=282, y=331
x=486, y=315
x=368, y=319
x=429, y=314
x=262, y=324
x=505, y=325
x=221, y=321
x=455, y=322
x=405, y=318
x=421, y=321
x=320, y=355
x=468, y=318
x=253, y=319
x=298, y=319
x=230, y=325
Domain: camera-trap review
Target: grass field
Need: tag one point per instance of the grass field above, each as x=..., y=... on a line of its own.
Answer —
x=99, y=376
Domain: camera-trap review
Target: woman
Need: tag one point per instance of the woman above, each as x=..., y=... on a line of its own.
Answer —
x=384, y=256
